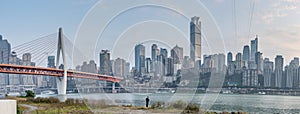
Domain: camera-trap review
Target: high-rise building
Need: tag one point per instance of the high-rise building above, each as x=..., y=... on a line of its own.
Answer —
x=238, y=61
x=91, y=67
x=51, y=62
x=246, y=53
x=127, y=69
x=14, y=79
x=293, y=74
x=195, y=39
x=187, y=62
x=219, y=62
x=254, y=48
x=140, y=59
x=246, y=57
x=267, y=72
x=214, y=62
x=148, y=65
x=207, y=63
x=154, y=52
x=51, y=81
x=229, y=58
x=26, y=60
x=105, y=62
x=120, y=67
x=154, y=55
x=170, y=67
x=250, y=78
x=163, y=58
x=230, y=64
x=278, y=71
x=112, y=67
x=5, y=50
x=177, y=54
x=259, y=62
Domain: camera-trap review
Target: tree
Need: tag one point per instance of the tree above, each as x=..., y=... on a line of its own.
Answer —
x=29, y=93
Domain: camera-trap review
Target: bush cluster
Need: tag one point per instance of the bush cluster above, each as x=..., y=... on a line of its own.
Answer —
x=43, y=100
x=178, y=104
x=157, y=105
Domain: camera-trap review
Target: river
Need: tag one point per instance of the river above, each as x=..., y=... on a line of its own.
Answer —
x=213, y=102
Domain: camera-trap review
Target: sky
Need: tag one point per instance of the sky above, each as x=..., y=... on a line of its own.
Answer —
x=227, y=25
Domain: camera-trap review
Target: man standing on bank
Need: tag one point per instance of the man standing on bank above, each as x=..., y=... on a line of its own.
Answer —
x=147, y=102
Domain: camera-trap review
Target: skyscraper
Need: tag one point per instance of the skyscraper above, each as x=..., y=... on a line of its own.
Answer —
x=120, y=67
x=230, y=64
x=259, y=62
x=293, y=73
x=5, y=51
x=105, y=62
x=163, y=58
x=238, y=61
x=195, y=39
x=140, y=59
x=278, y=71
x=14, y=79
x=127, y=69
x=154, y=52
x=254, y=48
x=170, y=67
x=177, y=54
x=51, y=62
x=246, y=53
x=49, y=79
x=154, y=55
x=229, y=58
x=267, y=72
x=148, y=65
x=26, y=60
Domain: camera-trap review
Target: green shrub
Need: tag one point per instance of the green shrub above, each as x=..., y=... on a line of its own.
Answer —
x=179, y=104
x=29, y=93
x=192, y=108
x=70, y=101
x=157, y=105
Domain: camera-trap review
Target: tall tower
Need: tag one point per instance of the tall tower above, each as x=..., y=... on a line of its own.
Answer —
x=254, y=48
x=229, y=58
x=267, y=72
x=61, y=81
x=177, y=54
x=140, y=58
x=105, y=64
x=195, y=39
x=238, y=61
x=278, y=71
x=154, y=52
x=5, y=50
x=246, y=53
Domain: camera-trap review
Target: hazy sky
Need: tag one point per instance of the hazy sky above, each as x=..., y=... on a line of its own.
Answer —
x=276, y=22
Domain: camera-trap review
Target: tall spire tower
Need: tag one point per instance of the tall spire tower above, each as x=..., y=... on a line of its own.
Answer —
x=195, y=39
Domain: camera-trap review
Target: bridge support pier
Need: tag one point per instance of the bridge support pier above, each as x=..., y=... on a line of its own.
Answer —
x=61, y=81
x=113, y=88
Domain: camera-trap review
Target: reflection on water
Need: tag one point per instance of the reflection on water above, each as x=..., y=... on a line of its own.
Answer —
x=224, y=102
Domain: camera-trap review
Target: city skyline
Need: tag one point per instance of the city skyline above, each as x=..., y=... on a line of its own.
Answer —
x=267, y=22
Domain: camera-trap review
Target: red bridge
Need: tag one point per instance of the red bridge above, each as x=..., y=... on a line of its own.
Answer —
x=30, y=70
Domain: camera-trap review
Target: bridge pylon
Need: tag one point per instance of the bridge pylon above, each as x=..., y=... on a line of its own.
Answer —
x=61, y=81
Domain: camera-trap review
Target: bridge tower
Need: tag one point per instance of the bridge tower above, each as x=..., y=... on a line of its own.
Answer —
x=61, y=81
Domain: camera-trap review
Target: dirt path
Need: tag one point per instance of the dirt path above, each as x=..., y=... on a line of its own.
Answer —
x=31, y=108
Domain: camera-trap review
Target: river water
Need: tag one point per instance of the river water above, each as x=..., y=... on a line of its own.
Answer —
x=214, y=102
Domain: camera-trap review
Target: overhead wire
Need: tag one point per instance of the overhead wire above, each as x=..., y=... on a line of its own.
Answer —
x=251, y=17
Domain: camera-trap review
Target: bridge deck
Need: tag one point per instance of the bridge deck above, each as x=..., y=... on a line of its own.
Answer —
x=31, y=70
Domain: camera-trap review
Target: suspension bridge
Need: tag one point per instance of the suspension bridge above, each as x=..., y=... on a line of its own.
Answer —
x=39, y=49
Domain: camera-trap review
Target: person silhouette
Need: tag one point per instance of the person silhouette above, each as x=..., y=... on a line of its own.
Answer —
x=147, y=101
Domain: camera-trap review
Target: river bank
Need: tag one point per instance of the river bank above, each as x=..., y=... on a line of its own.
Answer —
x=53, y=105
